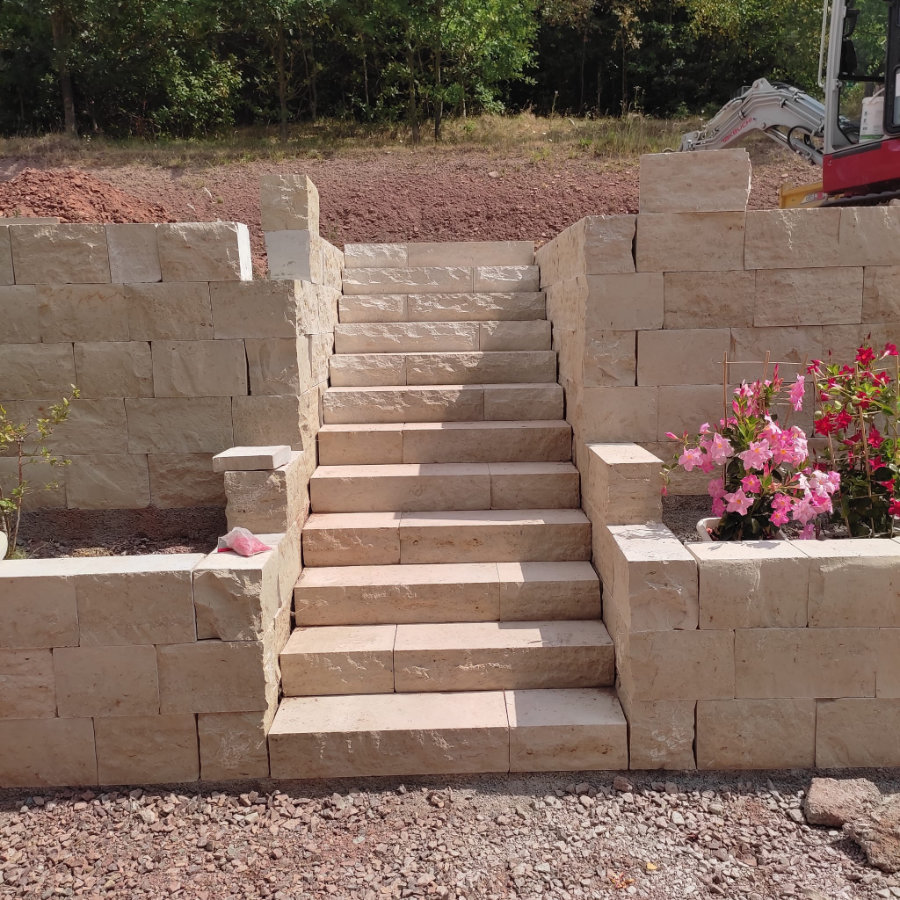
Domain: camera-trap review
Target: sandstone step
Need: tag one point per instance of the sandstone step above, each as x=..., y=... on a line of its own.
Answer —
x=443, y=307
x=446, y=656
x=392, y=538
x=477, y=367
x=444, y=253
x=426, y=337
x=449, y=592
x=444, y=734
x=443, y=403
x=413, y=487
x=436, y=442
x=431, y=279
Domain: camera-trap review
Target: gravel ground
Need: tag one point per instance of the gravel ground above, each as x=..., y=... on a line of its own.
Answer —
x=655, y=836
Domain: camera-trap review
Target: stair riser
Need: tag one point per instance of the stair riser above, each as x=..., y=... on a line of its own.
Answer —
x=441, y=253
x=400, y=307
x=441, y=279
x=441, y=337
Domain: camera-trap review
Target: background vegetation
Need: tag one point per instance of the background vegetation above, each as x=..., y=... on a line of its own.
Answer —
x=183, y=68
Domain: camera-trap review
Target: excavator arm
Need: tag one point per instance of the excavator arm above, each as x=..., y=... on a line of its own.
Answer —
x=784, y=113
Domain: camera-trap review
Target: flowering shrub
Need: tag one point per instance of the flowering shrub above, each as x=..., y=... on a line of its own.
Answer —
x=766, y=477
x=857, y=415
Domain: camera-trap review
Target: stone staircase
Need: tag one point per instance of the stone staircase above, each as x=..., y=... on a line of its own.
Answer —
x=448, y=616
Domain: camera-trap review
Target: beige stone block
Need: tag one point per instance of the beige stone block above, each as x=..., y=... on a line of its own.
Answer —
x=752, y=584
x=180, y=425
x=517, y=366
x=888, y=678
x=783, y=344
x=360, y=539
x=233, y=745
x=27, y=688
x=566, y=303
x=114, y=369
x=418, y=280
x=868, y=235
x=661, y=733
x=235, y=597
x=695, y=182
x=684, y=356
x=179, y=480
x=36, y=371
x=852, y=583
x=534, y=335
x=470, y=253
x=596, y=245
x=403, y=337
x=6, y=263
x=843, y=341
x=534, y=591
x=46, y=484
x=351, y=445
x=204, y=251
x=821, y=296
x=686, y=406
x=169, y=311
x=340, y=659
x=389, y=734
x=805, y=662
x=623, y=303
x=332, y=266
x=47, y=753
x=624, y=484
x=507, y=278
x=367, y=370
x=267, y=501
x=136, y=600
x=756, y=734
x=19, y=313
x=216, y=676
x=469, y=307
x=288, y=202
x=513, y=402
x=263, y=309
x=251, y=459
x=404, y=404
x=617, y=414
x=199, y=368
x=610, y=359
x=881, y=294
x=60, y=254
x=690, y=242
x=106, y=681
x=376, y=256
x=37, y=604
x=676, y=665
x=374, y=307
x=108, y=481
x=133, y=254
x=566, y=730
x=94, y=426
x=263, y=420
x=294, y=256
x=321, y=349
x=327, y=302
x=534, y=485
x=147, y=749
x=709, y=299
x=792, y=238
x=857, y=733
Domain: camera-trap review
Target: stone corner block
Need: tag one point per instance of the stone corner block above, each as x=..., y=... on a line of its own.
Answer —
x=695, y=182
x=288, y=203
x=248, y=459
x=205, y=251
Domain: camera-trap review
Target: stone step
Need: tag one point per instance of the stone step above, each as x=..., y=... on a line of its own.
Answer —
x=429, y=337
x=413, y=487
x=392, y=538
x=437, y=442
x=446, y=656
x=441, y=279
x=444, y=253
x=443, y=403
x=383, y=369
x=449, y=592
x=445, y=734
x=508, y=306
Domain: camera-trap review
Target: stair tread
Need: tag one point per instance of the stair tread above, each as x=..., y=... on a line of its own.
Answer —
x=447, y=306
x=447, y=517
x=450, y=470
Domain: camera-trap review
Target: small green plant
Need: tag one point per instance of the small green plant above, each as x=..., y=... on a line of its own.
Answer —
x=26, y=443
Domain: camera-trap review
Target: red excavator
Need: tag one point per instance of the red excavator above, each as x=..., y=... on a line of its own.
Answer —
x=855, y=134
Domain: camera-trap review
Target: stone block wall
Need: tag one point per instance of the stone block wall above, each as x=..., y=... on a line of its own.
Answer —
x=177, y=352
x=644, y=307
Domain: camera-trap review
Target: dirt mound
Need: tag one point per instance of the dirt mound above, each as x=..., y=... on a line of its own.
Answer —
x=74, y=197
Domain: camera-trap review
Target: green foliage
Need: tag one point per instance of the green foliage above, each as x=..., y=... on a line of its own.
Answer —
x=26, y=442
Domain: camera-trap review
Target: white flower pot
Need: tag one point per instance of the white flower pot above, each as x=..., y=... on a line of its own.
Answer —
x=4, y=545
x=705, y=526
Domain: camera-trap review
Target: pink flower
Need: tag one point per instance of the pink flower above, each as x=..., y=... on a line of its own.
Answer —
x=779, y=517
x=716, y=488
x=757, y=455
x=718, y=507
x=720, y=449
x=690, y=458
x=738, y=502
x=890, y=350
x=808, y=532
x=798, y=389
x=781, y=502
x=894, y=507
x=751, y=484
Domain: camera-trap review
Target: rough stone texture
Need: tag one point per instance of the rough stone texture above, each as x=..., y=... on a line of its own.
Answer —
x=233, y=745
x=82, y=312
x=523, y=366
x=108, y=481
x=514, y=336
x=288, y=202
x=404, y=404
x=403, y=337
x=114, y=369
x=19, y=313
x=690, y=242
x=756, y=734
x=375, y=307
x=800, y=662
x=41, y=752
x=265, y=309
x=616, y=414
x=92, y=425
x=888, y=678
x=38, y=608
x=695, y=182
x=879, y=835
x=534, y=485
x=792, y=238
x=507, y=278
x=270, y=419
x=752, y=584
x=348, y=445
x=623, y=485
x=199, y=368
x=795, y=344
x=361, y=539
x=36, y=371
x=179, y=480
x=610, y=359
x=294, y=256
x=419, y=280
x=169, y=311
x=179, y=425
x=688, y=356
x=251, y=459
x=471, y=253
x=623, y=303
x=661, y=733
x=835, y=801
x=881, y=294
x=27, y=687
x=505, y=306
x=6, y=264
x=831, y=296
x=595, y=245
x=378, y=256
x=147, y=749
x=367, y=370
x=49, y=482
x=857, y=733
x=868, y=235
x=133, y=253
x=513, y=402
x=106, y=681
x=60, y=254
x=205, y=251
x=709, y=299
x=267, y=501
